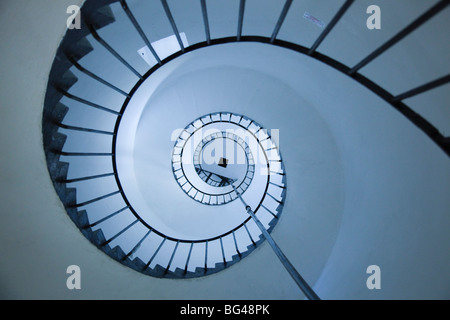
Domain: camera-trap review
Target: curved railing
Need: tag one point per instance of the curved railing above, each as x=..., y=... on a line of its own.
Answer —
x=121, y=232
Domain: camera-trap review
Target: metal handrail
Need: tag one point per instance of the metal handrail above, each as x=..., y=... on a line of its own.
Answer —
x=302, y=284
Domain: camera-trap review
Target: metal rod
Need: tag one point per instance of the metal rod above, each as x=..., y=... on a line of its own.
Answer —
x=278, y=201
x=65, y=126
x=172, y=23
x=280, y=21
x=94, y=76
x=248, y=232
x=171, y=257
x=206, y=23
x=303, y=285
x=95, y=200
x=87, y=178
x=240, y=19
x=91, y=104
x=137, y=245
x=235, y=244
x=121, y=231
x=223, y=252
x=277, y=185
x=279, y=173
x=273, y=214
x=139, y=30
x=428, y=86
x=188, y=257
x=206, y=255
x=82, y=154
x=112, y=51
x=403, y=33
x=330, y=25
x=107, y=217
x=154, y=254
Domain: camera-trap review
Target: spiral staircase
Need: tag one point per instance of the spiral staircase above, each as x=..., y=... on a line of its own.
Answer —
x=131, y=239
x=81, y=128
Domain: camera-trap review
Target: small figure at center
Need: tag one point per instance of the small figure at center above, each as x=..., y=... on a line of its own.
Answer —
x=223, y=162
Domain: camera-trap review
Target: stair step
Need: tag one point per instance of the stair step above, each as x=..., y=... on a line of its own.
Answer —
x=98, y=13
x=117, y=253
x=98, y=238
x=83, y=219
x=66, y=81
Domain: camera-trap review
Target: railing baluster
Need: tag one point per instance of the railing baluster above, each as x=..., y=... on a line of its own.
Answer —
x=86, y=178
x=155, y=253
x=403, y=33
x=330, y=25
x=172, y=23
x=132, y=251
x=95, y=199
x=112, y=51
x=120, y=232
x=426, y=87
x=280, y=202
x=223, y=252
x=248, y=232
x=171, y=257
x=206, y=23
x=94, y=76
x=273, y=214
x=206, y=255
x=280, y=21
x=277, y=185
x=240, y=19
x=235, y=244
x=139, y=30
x=68, y=127
x=188, y=257
x=82, y=154
x=107, y=217
x=279, y=173
x=91, y=104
